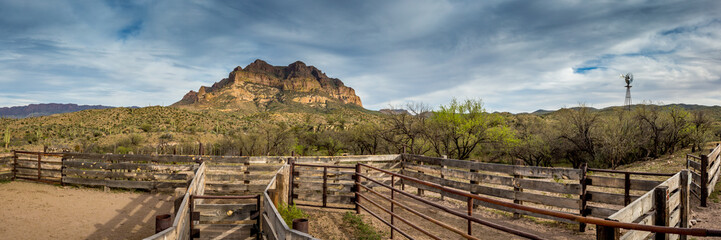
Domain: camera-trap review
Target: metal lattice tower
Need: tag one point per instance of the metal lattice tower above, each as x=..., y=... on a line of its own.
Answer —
x=629, y=79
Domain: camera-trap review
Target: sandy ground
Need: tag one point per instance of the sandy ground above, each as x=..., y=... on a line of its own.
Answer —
x=42, y=211
x=329, y=224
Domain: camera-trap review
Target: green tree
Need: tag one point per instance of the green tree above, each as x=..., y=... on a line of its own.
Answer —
x=460, y=127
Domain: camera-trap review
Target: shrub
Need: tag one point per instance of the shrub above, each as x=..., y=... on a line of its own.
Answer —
x=363, y=231
x=290, y=213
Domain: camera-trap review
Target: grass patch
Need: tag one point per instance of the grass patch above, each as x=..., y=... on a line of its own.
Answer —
x=290, y=213
x=362, y=231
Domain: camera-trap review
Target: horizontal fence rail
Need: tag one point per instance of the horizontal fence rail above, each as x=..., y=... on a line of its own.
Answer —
x=705, y=171
x=572, y=217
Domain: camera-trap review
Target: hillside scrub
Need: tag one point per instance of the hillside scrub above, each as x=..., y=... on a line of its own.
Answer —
x=462, y=129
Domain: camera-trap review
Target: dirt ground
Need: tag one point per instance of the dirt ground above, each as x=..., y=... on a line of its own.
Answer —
x=329, y=224
x=43, y=211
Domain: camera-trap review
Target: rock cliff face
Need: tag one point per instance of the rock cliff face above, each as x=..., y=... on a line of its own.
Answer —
x=259, y=84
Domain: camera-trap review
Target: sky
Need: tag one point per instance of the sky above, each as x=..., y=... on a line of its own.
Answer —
x=516, y=56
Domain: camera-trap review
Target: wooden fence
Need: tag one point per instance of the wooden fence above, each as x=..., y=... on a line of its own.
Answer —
x=37, y=166
x=180, y=230
x=148, y=172
x=704, y=173
x=328, y=181
x=665, y=205
x=574, y=191
x=231, y=175
x=6, y=167
x=273, y=225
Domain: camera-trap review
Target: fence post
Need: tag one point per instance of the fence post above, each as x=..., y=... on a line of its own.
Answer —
x=15, y=165
x=582, y=208
x=39, y=157
x=442, y=177
x=356, y=177
x=627, y=189
x=704, y=180
x=516, y=188
x=607, y=233
x=325, y=186
x=660, y=195
x=292, y=176
x=403, y=169
x=684, y=187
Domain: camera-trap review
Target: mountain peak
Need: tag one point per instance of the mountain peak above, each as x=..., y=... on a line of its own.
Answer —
x=260, y=84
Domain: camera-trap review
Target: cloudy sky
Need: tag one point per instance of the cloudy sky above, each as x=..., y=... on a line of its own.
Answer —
x=516, y=56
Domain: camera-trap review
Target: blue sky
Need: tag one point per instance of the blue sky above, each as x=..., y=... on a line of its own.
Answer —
x=516, y=56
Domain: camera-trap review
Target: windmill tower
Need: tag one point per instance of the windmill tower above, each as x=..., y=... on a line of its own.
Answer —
x=629, y=79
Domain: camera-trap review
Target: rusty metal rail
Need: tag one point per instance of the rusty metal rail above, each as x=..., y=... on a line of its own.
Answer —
x=468, y=216
x=589, y=220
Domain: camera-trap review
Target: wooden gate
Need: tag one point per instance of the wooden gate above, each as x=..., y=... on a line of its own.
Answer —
x=334, y=184
x=222, y=220
x=38, y=166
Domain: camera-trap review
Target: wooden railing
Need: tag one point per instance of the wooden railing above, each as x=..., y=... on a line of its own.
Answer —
x=6, y=167
x=556, y=188
x=273, y=225
x=181, y=222
x=665, y=205
x=704, y=173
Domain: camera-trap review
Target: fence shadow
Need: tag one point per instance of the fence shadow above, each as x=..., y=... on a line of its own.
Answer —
x=136, y=220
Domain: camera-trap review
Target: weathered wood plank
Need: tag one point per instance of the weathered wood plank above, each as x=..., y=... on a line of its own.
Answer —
x=43, y=165
x=43, y=173
x=348, y=159
x=601, y=212
x=611, y=182
x=646, y=219
x=635, y=209
x=318, y=198
x=224, y=231
x=237, y=177
x=131, y=157
x=569, y=203
x=454, y=173
x=608, y=198
x=674, y=217
x=233, y=187
x=225, y=212
x=563, y=188
x=243, y=168
x=674, y=200
x=529, y=171
x=129, y=175
x=110, y=183
x=337, y=187
x=126, y=166
x=496, y=192
x=488, y=205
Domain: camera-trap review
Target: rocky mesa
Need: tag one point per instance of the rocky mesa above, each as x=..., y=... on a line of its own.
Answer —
x=260, y=85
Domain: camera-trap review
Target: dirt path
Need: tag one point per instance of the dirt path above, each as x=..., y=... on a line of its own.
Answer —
x=43, y=211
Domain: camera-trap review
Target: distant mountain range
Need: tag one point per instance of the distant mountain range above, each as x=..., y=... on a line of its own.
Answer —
x=688, y=107
x=44, y=109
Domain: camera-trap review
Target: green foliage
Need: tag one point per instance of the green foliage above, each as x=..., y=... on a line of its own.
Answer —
x=363, y=231
x=146, y=127
x=290, y=213
x=6, y=137
x=460, y=127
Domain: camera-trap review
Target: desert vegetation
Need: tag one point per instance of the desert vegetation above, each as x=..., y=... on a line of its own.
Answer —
x=461, y=129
